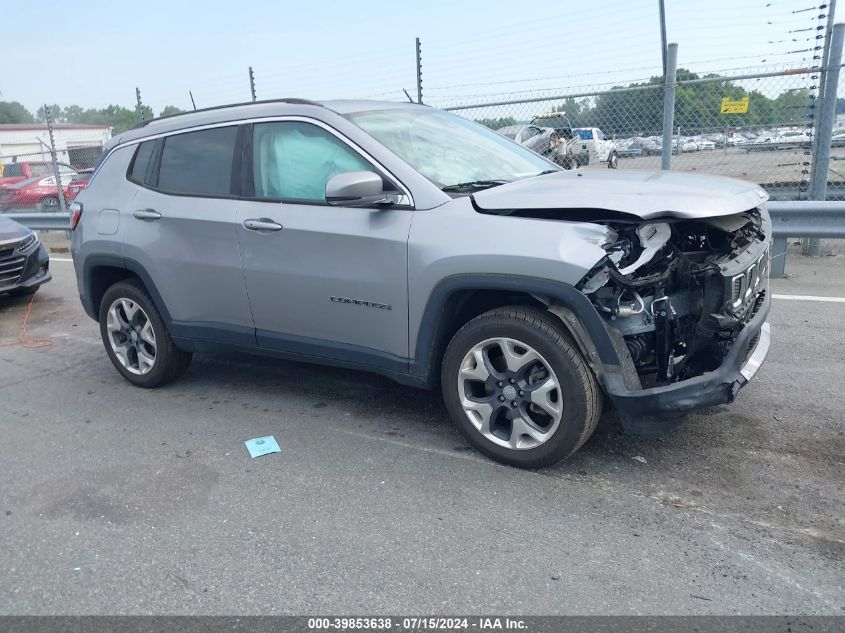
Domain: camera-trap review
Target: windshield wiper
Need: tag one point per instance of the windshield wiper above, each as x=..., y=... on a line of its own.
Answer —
x=548, y=171
x=474, y=185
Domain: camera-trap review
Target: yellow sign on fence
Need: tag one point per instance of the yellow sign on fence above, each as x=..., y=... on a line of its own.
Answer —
x=734, y=107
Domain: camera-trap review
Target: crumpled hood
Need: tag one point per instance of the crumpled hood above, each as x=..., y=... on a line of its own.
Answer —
x=11, y=231
x=644, y=194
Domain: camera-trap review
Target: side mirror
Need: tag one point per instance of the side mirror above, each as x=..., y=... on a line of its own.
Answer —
x=357, y=188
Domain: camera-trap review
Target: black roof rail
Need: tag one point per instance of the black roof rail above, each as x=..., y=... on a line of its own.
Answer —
x=230, y=105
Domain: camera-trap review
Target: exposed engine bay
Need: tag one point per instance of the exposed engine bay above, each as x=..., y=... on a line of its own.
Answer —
x=678, y=291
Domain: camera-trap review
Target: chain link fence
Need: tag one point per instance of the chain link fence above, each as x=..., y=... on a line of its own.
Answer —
x=622, y=126
x=28, y=180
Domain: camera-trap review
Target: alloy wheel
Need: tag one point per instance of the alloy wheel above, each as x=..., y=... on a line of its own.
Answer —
x=131, y=335
x=510, y=393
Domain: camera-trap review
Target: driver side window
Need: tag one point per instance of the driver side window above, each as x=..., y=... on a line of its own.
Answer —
x=293, y=161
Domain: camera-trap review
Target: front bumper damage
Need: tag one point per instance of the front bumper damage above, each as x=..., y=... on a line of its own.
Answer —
x=659, y=409
x=685, y=305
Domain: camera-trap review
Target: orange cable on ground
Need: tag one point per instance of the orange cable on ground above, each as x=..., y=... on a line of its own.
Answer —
x=23, y=340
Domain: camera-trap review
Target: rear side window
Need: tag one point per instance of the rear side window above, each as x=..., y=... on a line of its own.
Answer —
x=10, y=171
x=198, y=162
x=141, y=161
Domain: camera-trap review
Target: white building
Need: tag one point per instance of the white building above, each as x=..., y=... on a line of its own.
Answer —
x=76, y=144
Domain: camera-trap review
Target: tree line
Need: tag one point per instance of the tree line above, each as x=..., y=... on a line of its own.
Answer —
x=117, y=117
x=639, y=112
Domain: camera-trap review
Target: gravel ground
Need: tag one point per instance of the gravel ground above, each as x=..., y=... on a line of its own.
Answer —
x=120, y=500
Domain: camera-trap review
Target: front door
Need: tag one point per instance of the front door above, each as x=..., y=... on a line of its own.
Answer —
x=323, y=280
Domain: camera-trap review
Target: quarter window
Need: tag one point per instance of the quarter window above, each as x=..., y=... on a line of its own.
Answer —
x=198, y=162
x=294, y=160
x=141, y=161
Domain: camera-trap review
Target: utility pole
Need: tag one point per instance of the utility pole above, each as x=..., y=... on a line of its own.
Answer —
x=419, y=73
x=251, y=83
x=662, y=8
x=59, y=188
x=140, y=106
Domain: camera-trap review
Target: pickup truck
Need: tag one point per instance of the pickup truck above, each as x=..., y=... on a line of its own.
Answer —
x=591, y=146
x=16, y=172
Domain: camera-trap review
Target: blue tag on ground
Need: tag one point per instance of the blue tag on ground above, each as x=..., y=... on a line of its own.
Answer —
x=262, y=446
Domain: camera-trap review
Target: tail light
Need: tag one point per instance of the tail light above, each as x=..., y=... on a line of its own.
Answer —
x=75, y=210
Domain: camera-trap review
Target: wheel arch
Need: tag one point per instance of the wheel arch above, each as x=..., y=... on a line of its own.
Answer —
x=100, y=272
x=459, y=298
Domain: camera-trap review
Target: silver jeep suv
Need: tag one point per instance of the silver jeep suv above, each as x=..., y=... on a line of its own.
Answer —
x=399, y=239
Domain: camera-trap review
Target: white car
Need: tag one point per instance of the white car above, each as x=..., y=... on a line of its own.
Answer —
x=686, y=145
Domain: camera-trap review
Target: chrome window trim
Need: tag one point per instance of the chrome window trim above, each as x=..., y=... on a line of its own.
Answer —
x=271, y=119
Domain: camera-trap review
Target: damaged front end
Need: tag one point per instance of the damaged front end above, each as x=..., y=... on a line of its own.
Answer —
x=685, y=302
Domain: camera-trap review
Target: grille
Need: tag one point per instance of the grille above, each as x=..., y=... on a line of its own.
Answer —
x=11, y=265
x=745, y=286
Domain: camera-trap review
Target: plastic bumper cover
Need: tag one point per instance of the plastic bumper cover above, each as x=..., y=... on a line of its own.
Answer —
x=36, y=270
x=656, y=410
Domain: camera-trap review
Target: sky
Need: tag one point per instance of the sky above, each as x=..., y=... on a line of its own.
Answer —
x=96, y=53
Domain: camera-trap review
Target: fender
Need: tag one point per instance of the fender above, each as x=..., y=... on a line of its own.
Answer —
x=598, y=348
x=115, y=261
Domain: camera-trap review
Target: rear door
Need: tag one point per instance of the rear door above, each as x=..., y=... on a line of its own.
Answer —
x=324, y=280
x=181, y=230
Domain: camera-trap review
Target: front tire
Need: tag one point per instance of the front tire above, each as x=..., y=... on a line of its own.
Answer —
x=518, y=389
x=613, y=160
x=136, y=338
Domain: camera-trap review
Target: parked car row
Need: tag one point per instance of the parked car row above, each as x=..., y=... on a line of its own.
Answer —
x=33, y=184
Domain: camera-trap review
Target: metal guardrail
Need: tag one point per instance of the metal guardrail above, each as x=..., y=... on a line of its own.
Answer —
x=42, y=221
x=804, y=218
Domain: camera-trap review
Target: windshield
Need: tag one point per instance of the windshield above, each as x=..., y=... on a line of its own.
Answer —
x=448, y=149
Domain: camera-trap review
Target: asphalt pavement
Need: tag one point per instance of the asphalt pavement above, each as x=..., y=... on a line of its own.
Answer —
x=117, y=500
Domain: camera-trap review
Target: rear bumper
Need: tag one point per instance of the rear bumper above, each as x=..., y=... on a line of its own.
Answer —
x=656, y=410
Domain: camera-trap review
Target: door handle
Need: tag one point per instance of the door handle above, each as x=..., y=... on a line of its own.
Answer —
x=147, y=214
x=262, y=224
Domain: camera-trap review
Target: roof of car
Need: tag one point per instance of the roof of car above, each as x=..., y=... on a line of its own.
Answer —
x=249, y=110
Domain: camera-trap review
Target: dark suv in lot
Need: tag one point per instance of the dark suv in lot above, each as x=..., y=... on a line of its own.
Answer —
x=399, y=239
x=24, y=262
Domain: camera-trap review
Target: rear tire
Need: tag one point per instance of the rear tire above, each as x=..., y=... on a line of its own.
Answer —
x=518, y=388
x=136, y=339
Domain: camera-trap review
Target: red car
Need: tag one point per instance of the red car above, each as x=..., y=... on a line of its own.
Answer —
x=78, y=183
x=39, y=191
x=16, y=172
